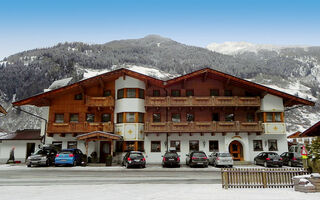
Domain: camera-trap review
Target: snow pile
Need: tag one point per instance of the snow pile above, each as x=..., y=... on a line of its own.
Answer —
x=88, y=73
x=233, y=48
x=60, y=83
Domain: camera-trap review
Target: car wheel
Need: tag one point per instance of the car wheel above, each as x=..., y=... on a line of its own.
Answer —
x=29, y=165
x=163, y=166
x=143, y=166
x=47, y=163
x=127, y=165
x=214, y=164
x=265, y=164
x=290, y=163
x=74, y=163
x=206, y=166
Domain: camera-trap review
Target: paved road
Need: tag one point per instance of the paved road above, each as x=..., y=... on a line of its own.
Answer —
x=101, y=175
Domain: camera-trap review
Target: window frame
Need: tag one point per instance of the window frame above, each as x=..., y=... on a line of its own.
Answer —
x=190, y=113
x=68, y=144
x=158, y=150
x=212, y=91
x=78, y=97
x=175, y=90
x=153, y=115
x=189, y=90
x=198, y=143
x=74, y=114
x=127, y=93
x=87, y=114
x=110, y=117
x=106, y=92
x=176, y=114
x=214, y=150
x=259, y=143
x=119, y=92
x=154, y=93
x=270, y=143
x=175, y=142
x=218, y=114
x=55, y=118
x=126, y=117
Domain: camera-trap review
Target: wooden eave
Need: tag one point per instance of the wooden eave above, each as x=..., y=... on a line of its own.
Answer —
x=289, y=100
x=98, y=135
x=312, y=131
x=2, y=110
x=43, y=99
x=295, y=135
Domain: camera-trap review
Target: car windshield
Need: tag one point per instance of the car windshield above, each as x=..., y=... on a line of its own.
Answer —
x=224, y=155
x=41, y=152
x=136, y=155
x=199, y=155
x=66, y=152
x=171, y=155
x=272, y=155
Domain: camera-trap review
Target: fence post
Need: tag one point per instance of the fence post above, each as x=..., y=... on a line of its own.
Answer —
x=226, y=180
x=264, y=178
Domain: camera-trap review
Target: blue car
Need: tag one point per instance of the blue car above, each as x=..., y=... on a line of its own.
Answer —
x=72, y=157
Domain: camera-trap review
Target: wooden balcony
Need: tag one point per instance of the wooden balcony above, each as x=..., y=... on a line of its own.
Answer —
x=202, y=127
x=99, y=101
x=202, y=101
x=81, y=127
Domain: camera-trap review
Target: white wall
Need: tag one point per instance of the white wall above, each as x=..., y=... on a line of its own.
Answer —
x=20, y=151
x=129, y=105
x=129, y=82
x=271, y=103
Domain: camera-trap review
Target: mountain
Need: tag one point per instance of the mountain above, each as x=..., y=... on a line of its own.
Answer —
x=295, y=70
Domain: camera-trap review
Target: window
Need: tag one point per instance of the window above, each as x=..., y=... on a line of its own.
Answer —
x=250, y=117
x=57, y=144
x=120, y=94
x=228, y=93
x=130, y=146
x=214, y=146
x=176, y=117
x=72, y=144
x=90, y=117
x=140, y=117
x=156, y=117
x=106, y=117
x=141, y=93
x=131, y=93
x=175, y=93
x=119, y=117
x=130, y=118
x=107, y=93
x=190, y=117
x=215, y=117
x=175, y=144
x=78, y=96
x=257, y=145
x=155, y=146
x=214, y=92
x=74, y=117
x=229, y=117
x=194, y=145
x=156, y=93
x=141, y=146
x=273, y=145
x=269, y=117
x=277, y=117
x=189, y=93
x=59, y=118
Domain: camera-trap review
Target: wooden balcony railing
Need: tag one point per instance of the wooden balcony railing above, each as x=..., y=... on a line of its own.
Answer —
x=201, y=101
x=81, y=127
x=200, y=127
x=99, y=101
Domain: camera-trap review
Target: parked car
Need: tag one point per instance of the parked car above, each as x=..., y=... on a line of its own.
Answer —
x=44, y=156
x=221, y=159
x=72, y=157
x=171, y=159
x=197, y=158
x=134, y=158
x=268, y=159
x=291, y=159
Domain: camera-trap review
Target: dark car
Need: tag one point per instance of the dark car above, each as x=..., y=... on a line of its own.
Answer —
x=171, y=159
x=197, y=158
x=134, y=159
x=291, y=159
x=42, y=157
x=72, y=157
x=268, y=159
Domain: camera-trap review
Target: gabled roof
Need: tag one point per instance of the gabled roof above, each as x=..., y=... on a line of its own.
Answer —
x=42, y=99
x=2, y=110
x=99, y=135
x=295, y=135
x=27, y=134
x=312, y=131
x=289, y=99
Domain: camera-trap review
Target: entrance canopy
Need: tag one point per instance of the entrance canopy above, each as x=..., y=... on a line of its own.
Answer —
x=98, y=136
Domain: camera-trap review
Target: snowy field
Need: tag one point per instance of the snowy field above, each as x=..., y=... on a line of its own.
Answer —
x=148, y=192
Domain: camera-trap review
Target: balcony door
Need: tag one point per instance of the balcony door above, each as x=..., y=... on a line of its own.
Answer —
x=236, y=150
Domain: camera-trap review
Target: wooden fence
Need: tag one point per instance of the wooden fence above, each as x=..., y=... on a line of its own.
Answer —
x=259, y=177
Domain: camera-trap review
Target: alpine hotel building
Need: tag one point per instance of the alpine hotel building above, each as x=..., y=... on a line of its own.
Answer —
x=205, y=110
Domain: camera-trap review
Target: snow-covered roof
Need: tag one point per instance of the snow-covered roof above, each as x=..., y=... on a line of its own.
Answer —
x=60, y=83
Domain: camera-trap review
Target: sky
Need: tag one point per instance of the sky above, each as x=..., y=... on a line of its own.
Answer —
x=26, y=25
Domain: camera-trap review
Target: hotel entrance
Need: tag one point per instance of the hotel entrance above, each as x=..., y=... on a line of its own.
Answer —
x=236, y=150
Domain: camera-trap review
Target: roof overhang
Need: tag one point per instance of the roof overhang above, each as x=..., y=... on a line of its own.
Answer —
x=98, y=135
x=312, y=131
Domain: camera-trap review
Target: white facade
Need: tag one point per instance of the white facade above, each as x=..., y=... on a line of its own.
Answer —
x=271, y=103
x=20, y=151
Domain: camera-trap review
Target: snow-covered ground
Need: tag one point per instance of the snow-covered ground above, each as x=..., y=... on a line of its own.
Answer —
x=148, y=192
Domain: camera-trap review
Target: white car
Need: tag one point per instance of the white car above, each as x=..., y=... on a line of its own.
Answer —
x=221, y=159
